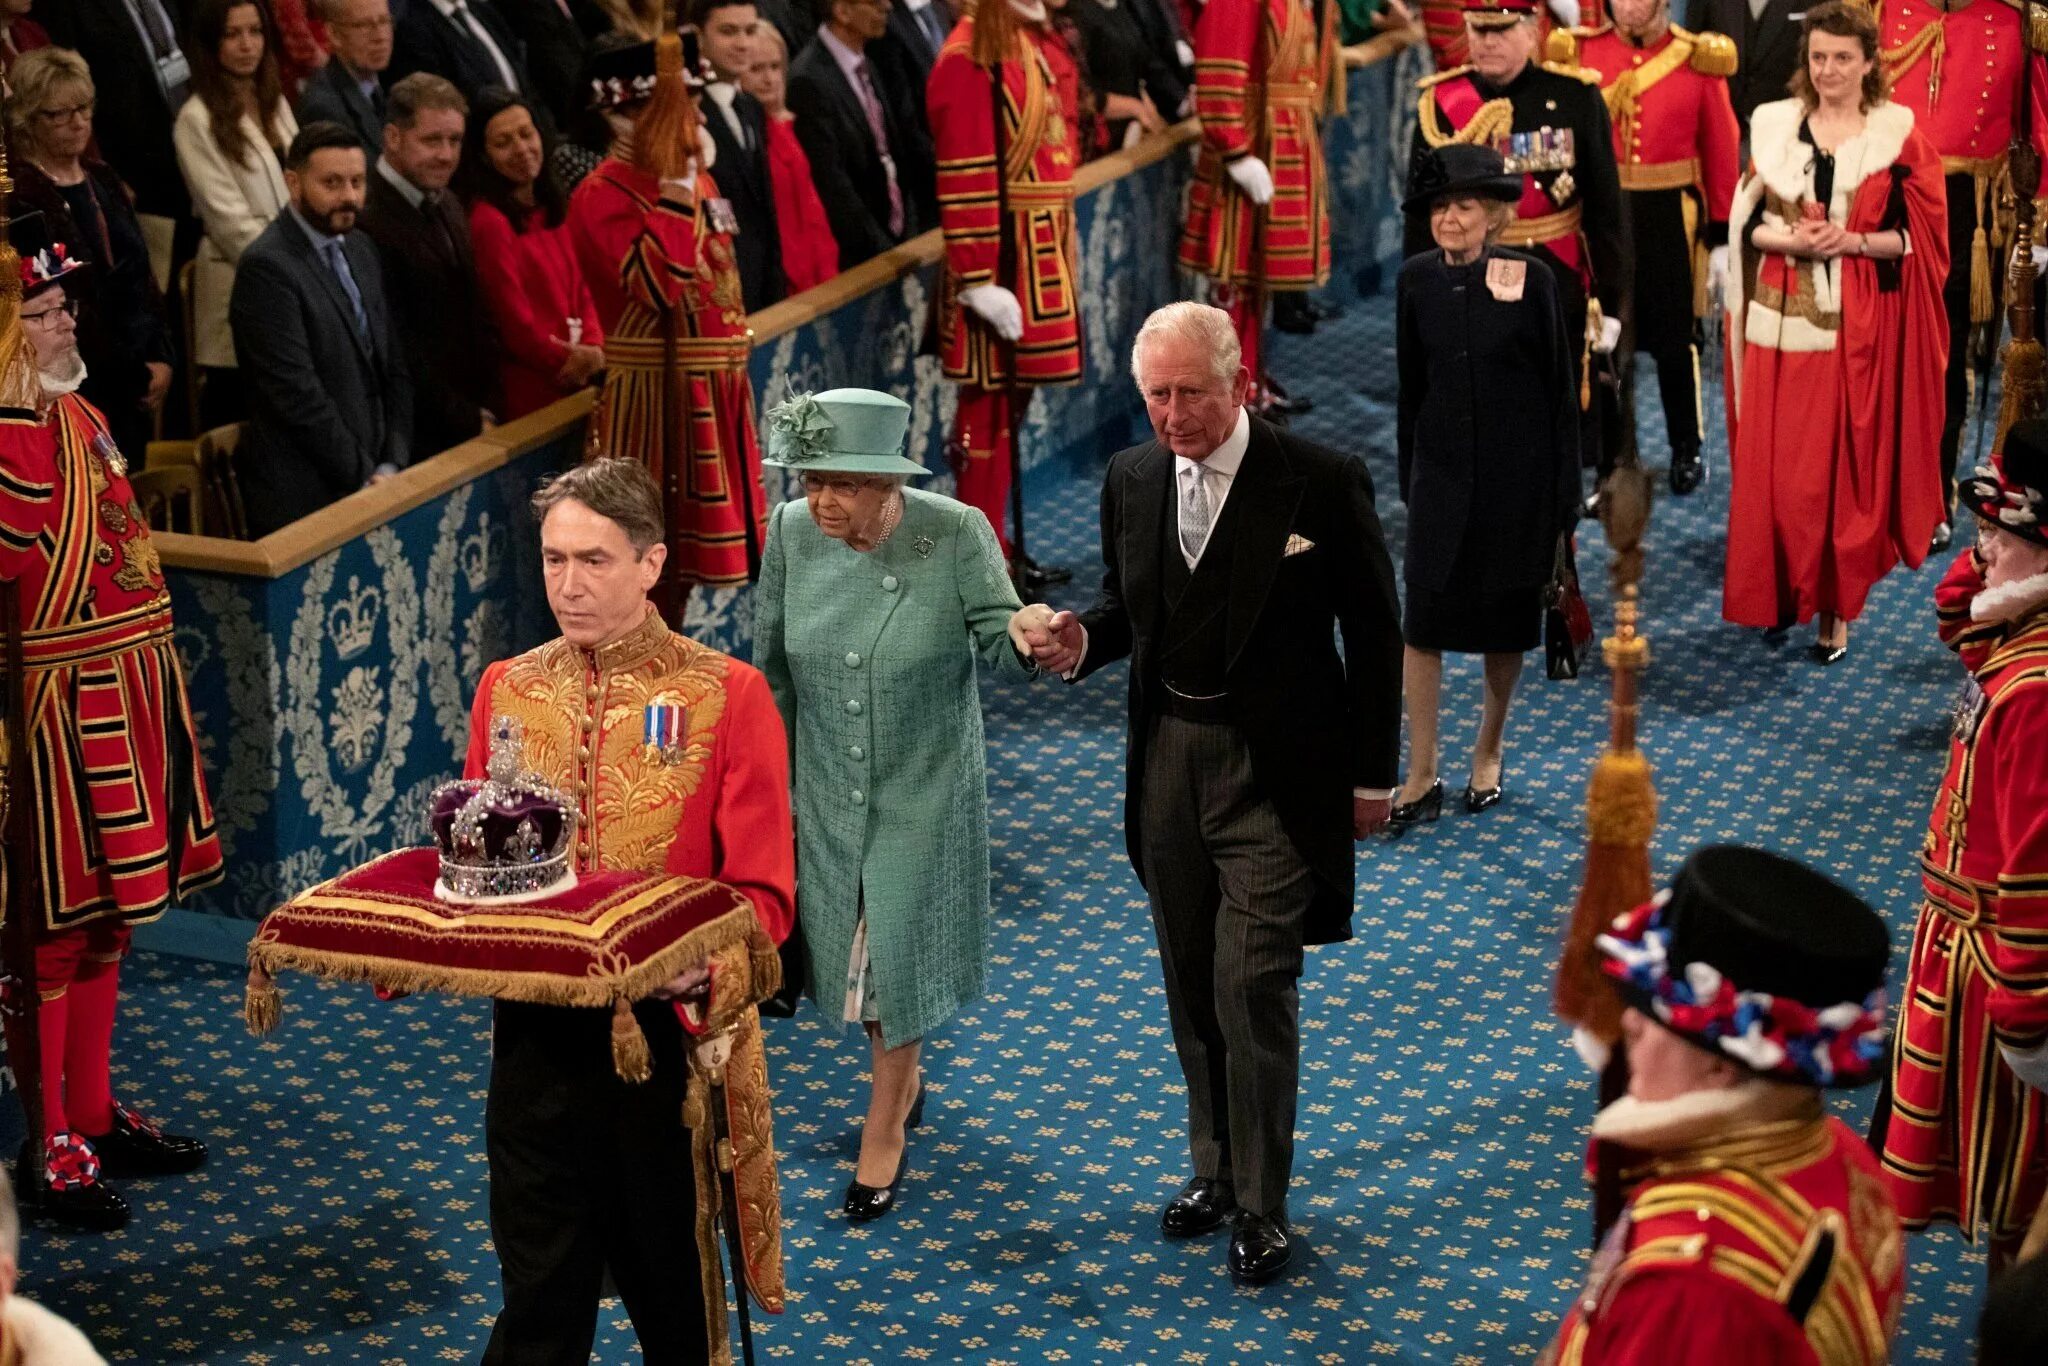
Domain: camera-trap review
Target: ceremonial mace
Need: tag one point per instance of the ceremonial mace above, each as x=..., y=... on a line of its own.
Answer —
x=1621, y=814
x=18, y=995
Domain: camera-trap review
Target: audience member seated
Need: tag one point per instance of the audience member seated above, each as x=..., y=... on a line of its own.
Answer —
x=422, y=238
x=123, y=333
x=1138, y=88
x=18, y=32
x=228, y=137
x=349, y=90
x=865, y=140
x=526, y=268
x=739, y=135
x=132, y=47
x=34, y=1336
x=467, y=42
x=557, y=35
x=809, y=254
x=329, y=396
x=301, y=44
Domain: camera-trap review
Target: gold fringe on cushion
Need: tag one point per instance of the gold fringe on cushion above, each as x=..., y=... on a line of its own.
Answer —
x=630, y=1057
x=262, y=1003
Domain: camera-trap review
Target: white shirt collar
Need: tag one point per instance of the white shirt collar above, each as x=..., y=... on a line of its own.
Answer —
x=1226, y=458
x=725, y=92
x=413, y=194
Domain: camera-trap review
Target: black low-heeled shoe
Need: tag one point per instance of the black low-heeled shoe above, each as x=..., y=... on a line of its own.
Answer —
x=1825, y=655
x=865, y=1204
x=1944, y=537
x=1479, y=799
x=1428, y=807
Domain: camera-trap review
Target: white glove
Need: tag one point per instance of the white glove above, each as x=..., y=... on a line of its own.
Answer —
x=1610, y=335
x=1253, y=178
x=2030, y=1066
x=1566, y=12
x=1592, y=1052
x=1717, y=270
x=2040, y=257
x=998, y=307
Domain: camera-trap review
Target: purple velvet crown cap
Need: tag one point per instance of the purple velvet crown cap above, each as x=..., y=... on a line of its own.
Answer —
x=504, y=837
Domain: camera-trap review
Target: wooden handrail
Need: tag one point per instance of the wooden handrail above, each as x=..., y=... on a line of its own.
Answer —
x=311, y=537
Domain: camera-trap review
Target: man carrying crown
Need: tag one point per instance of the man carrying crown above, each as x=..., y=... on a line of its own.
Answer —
x=1551, y=125
x=1958, y=65
x=1258, y=211
x=1758, y=1229
x=1678, y=149
x=655, y=241
x=675, y=758
x=1009, y=316
x=118, y=825
x=1965, y=1137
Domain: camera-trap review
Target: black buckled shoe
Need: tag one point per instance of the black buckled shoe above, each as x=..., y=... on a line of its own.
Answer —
x=1259, y=1247
x=1688, y=470
x=135, y=1147
x=1201, y=1207
x=77, y=1196
x=1944, y=537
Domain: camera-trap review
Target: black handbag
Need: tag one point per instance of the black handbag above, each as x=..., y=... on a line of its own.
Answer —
x=1567, y=622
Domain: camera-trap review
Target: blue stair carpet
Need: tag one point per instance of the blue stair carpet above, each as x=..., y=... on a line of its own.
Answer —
x=1438, y=1192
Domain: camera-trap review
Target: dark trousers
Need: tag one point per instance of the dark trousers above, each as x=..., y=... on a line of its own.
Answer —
x=1229, y=894
x=589, y=1172
x=1955, y=299
x=1663, y=324
x=1604, y=430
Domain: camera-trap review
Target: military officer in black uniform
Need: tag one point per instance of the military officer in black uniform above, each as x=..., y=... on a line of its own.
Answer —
x=1550, y=125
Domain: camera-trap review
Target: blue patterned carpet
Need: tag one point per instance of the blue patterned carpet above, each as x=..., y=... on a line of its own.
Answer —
x=1437, y=1192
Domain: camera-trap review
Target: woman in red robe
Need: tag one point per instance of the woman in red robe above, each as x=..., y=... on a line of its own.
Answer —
x=1835, y=397
x=810, y=254
x=532, y=283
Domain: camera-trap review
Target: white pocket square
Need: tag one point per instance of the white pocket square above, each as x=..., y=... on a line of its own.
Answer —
x=1296, y=545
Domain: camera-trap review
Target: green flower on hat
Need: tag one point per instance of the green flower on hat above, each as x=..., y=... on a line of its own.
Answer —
x=799, y=430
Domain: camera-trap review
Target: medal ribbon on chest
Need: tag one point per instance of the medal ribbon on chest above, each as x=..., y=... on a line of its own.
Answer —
x=665, y=729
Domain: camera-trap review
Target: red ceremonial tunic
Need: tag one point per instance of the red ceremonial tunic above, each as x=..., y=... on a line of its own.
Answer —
x=1967, y=1141
x=122, y=822
x=1261, y=73
x=1010, y=224
x=535, y=291
x=1674, y=124
x=676, y=394
x=1698, y=1271
x=810, y=255
x=1835, y=384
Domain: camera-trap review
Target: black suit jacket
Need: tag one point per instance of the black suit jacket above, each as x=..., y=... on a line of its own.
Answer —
x=438, y=310
x=743, y=181
x=846, y=163
x=132, y=122
x=427, y=40
x=1317, y=724
x=327, y=405
x=333, y=95
x=1767, y=48
x=557, y=46
x=919, y=52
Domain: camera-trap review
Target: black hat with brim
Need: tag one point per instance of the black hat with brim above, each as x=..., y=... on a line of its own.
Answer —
x=2013, y=495
x=1459, y=169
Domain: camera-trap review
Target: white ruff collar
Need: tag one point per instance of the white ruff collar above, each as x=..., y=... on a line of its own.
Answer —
x=2010, y=601
x=1784, y=163
x=1660, y=1125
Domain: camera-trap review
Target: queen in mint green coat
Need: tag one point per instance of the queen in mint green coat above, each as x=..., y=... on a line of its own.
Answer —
x=872, y=657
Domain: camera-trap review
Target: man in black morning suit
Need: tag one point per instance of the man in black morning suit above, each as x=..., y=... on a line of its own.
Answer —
x=1233, y=554
x=738, y=126
x=1766, y=34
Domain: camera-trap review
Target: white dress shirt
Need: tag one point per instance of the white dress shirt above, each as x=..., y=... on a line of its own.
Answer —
x=1221, y=471
x=722, y=94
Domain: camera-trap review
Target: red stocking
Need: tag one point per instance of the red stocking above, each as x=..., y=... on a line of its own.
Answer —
x=52, y=1018
x=1247, y=308
x=88, y=1055
x=984, y=450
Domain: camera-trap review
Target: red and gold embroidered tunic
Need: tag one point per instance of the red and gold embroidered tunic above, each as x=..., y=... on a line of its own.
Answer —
x=1006, y=207
x=122, y=821
x=1716, y=1259
x=676, y=394
x=1674, y=123
x=711, y=801
x=1967, y=1140
x=1262, y=72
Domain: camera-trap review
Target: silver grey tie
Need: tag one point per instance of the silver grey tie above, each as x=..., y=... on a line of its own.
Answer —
x=1196, y=512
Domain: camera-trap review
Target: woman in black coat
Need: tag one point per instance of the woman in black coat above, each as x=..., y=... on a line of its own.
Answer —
x=1489, y=458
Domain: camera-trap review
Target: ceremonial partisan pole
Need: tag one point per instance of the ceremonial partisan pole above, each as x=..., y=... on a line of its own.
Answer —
x=1621, y=813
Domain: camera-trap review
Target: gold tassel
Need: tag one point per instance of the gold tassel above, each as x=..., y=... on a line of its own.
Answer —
x=1981, y=306
x=1621, y=813
x=764, y=966
x=665, y=134
x=630, y=1058
x=2037, y=28
x=262, y=1003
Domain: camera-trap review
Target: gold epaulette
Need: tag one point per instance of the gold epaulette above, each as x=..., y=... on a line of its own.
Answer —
x=1576, y=73
x=2036, y=20
x=1713, y=54
x=1562, y=47
x=1440, y=77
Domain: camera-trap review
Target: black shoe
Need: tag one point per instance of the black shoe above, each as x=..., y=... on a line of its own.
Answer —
x=1259, y=1247
x=1278, y=401
x=1201, y=1207
x=1299, y=320
x=1589, y=510
x=95, y=1207
x=1320, y=310
x=1688, y=470
x=1428, y=807
x=1033, y=578
x=1944, y=537
x=1774, y=636
x=864, y=1204
x=135, y=1147
x=1479, y=799
x=1824, y=655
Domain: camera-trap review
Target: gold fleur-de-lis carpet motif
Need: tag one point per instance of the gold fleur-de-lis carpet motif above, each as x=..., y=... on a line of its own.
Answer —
x=1437, y=1197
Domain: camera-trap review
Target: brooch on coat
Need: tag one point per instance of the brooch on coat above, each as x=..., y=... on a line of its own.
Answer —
x=665, y=730
x=924, y=546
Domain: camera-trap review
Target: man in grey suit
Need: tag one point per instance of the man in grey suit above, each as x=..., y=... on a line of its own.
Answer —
x=329, y=398
x=349, y=90
x=1233, y=555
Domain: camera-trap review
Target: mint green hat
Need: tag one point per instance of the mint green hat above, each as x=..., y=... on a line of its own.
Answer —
x=841, y=431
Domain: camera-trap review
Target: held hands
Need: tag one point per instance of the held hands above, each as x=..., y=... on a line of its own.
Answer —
x=998, y=307
x=1610, y=335
x=1821, y=238
x=1025, y=620
x=1369, y=815
x=1253, y=178
x=1054, y=641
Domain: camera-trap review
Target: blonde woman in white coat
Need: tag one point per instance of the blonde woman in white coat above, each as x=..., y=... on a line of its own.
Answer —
x=230, y=138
